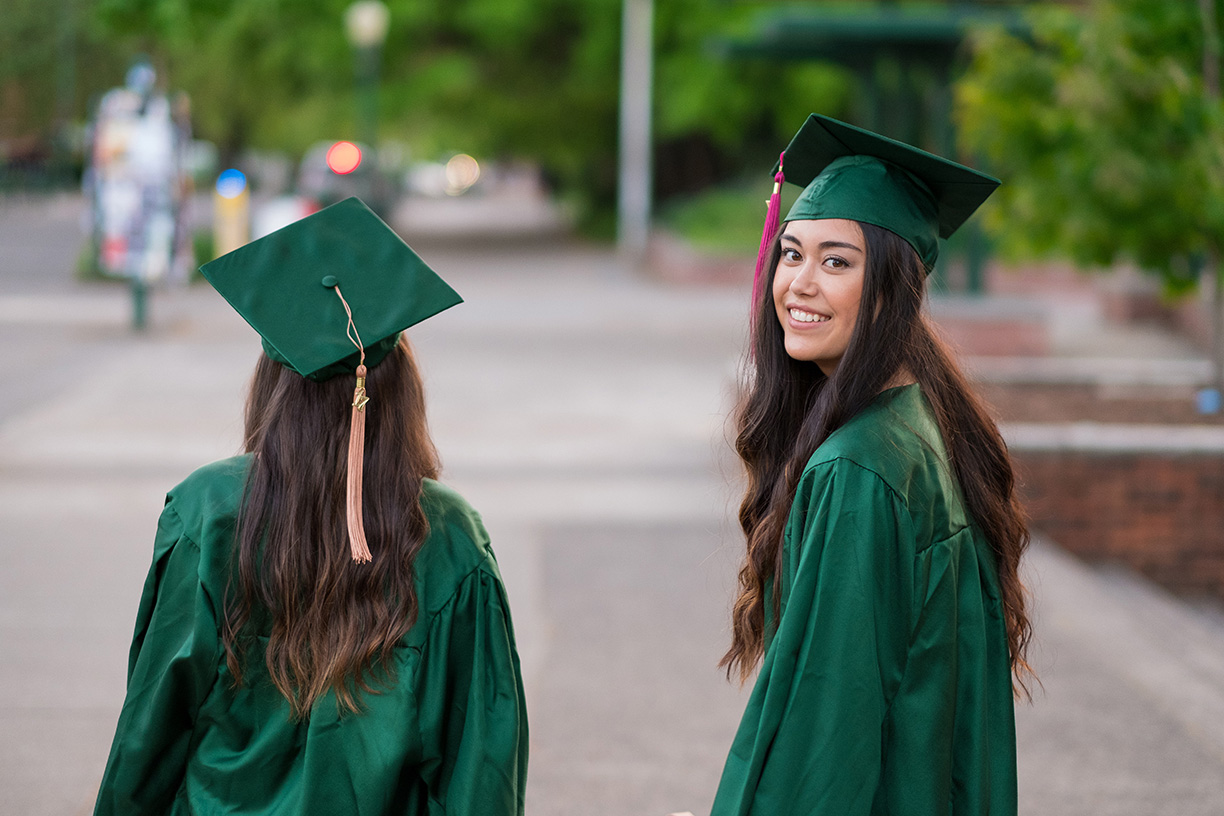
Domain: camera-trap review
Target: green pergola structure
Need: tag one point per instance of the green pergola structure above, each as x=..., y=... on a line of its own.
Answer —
x=905, y=57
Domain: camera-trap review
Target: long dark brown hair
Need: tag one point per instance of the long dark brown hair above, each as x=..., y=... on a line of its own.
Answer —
x=789, y=408
x=331, y=623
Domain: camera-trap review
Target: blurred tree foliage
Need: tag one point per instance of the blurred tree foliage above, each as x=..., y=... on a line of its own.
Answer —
x=531, y=79
x=54, y=57
x=1108, y=133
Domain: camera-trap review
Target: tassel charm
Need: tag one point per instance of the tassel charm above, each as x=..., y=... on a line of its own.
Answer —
x=768, y=233
x=356, y=464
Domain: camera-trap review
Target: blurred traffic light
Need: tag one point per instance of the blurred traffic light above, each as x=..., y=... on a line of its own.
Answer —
x=343, y=158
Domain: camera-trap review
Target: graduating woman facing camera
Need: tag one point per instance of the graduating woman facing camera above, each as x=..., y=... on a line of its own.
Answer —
x=880, y=592
x=324, y=629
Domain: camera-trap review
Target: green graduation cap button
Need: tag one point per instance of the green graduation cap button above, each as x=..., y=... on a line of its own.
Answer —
x=848, y=172
x=274, y=283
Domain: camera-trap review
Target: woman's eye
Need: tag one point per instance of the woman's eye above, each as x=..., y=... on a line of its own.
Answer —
x=836, y=262
x=790, y=255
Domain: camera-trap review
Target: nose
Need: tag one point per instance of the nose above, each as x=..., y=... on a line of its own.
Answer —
x=805, y=283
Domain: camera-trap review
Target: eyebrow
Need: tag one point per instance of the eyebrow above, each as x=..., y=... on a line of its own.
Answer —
x=823, y=244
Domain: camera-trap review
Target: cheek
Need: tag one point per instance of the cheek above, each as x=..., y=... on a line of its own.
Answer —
x=848, y=298
x=781, y=284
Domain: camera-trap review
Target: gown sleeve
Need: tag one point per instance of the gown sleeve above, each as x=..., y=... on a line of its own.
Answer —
x=811, y=737
x=473, y=715
x=171, y=667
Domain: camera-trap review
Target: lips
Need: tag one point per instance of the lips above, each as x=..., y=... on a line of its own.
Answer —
x=803, y=316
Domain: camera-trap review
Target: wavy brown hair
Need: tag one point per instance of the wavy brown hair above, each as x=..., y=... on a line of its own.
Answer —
x=330, y=622
x=789, y=408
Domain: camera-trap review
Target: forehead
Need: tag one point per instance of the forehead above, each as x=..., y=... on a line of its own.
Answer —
x=814, y=232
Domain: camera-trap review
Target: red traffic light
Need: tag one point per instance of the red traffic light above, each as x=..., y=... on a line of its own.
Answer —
x=343, y=158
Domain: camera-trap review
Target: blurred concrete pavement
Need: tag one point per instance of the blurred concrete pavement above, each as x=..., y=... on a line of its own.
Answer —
x=581, y=408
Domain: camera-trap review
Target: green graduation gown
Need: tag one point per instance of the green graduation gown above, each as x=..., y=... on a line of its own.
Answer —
x=886, y=685
x=450, y=737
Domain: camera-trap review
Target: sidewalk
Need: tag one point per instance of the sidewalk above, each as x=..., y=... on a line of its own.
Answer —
x=1128, y=716
x=581, y=409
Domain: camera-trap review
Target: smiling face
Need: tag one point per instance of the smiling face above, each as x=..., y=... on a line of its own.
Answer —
x=817, y=287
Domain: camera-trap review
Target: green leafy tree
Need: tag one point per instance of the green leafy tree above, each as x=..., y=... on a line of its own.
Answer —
x=1109, y=129
x=529, y=78
x=532, y=79
x=54, y=59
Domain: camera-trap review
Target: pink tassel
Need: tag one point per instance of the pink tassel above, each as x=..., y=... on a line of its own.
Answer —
x=356, y=464
x=768, y=234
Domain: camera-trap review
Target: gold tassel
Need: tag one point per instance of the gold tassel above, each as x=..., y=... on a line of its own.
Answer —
x=356, y=464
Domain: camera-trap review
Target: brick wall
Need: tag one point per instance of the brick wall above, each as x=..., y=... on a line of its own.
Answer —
x=1159, y=512
x=995, y=337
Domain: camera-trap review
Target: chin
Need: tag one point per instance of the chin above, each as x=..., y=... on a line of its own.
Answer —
x=801, y=354
x=800, y=348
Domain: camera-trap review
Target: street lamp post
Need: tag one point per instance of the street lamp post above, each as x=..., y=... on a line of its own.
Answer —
x=633, y=189
x=366, y=23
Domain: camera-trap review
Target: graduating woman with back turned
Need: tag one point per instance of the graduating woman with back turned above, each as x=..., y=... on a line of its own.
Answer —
x=324, y=629
x=880, y=595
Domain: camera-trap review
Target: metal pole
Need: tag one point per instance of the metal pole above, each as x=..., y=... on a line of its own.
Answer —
x=367, y=93
x=975, y=259
x=634, y=188
x=140, y=299
x=1211, y=272
x=1211, y=93
x=65, y=92
x=367, y=121
x=366, y=22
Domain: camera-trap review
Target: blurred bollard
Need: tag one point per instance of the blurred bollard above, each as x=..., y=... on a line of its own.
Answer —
x=1208, y=401
x=231, y=212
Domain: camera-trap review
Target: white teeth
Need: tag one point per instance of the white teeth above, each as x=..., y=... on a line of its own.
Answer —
x=807, y=317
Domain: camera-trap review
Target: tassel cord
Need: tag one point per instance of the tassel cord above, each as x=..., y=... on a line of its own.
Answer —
x=355, y=521
x=768, y=233
x=356, y=465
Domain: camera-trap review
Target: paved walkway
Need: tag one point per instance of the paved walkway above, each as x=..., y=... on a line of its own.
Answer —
x=581, y=408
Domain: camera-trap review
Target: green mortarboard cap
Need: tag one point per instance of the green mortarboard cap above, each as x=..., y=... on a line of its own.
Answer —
x=285, y=284
x=848, y=172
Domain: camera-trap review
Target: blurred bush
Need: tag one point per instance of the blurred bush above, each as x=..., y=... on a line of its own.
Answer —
x=726, y=219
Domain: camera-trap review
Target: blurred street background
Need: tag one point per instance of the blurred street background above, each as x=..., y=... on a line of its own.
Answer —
x=590, y=175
